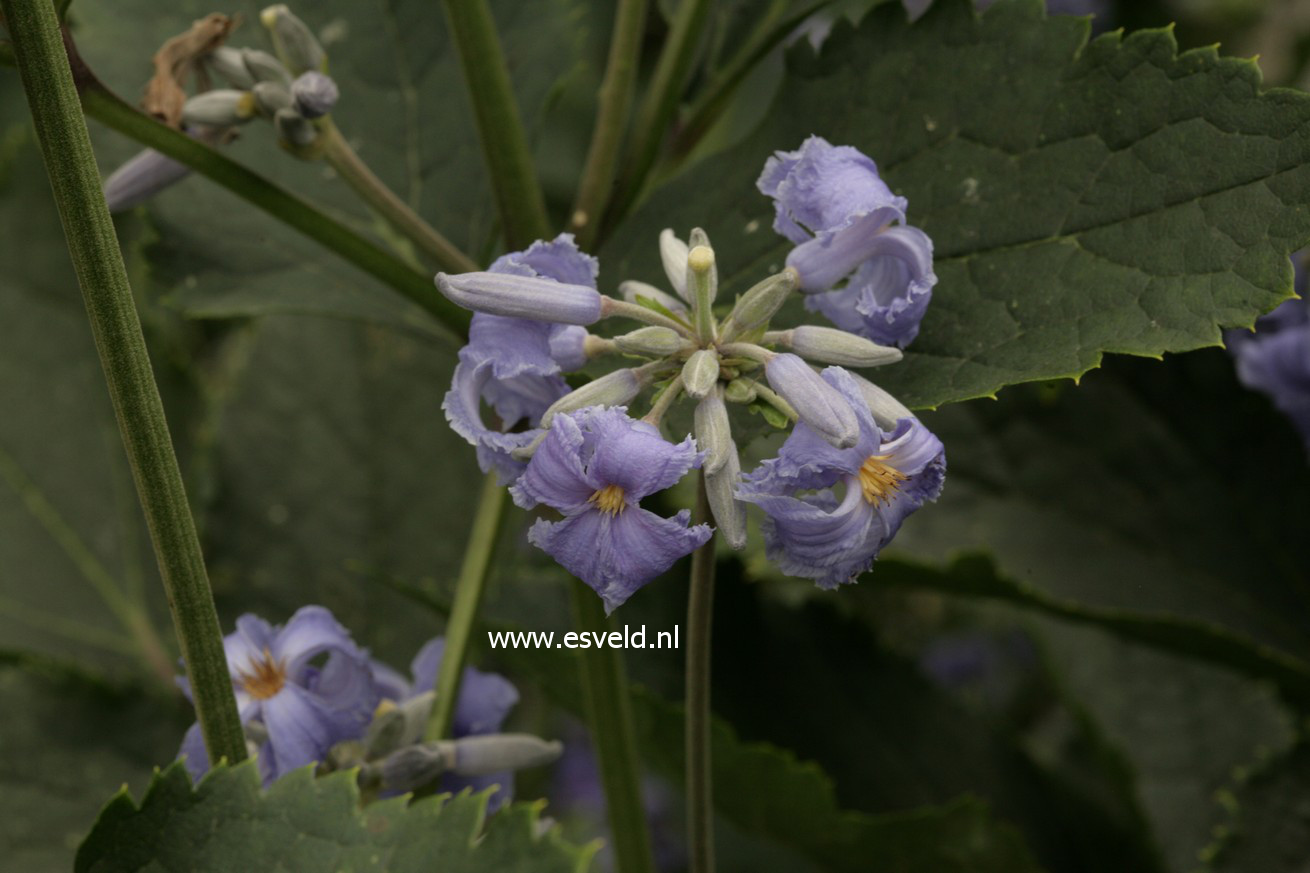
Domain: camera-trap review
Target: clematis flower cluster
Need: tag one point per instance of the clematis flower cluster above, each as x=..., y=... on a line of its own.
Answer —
x=857, y=462
x=308, y=695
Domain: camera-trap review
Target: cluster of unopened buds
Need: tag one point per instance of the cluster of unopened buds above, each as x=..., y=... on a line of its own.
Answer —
x=580, y=453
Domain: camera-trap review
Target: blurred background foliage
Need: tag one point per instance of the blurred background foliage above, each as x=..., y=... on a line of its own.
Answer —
x=1092, y=655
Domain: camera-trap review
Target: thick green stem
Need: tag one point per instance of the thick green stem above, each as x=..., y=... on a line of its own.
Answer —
x=609, y=712
x=338, y=153
x=464, y=611
x=504, y=141
x=661, y=101
x=700, y=617
x=111, y=111
x=611, y=117
x=42, y=62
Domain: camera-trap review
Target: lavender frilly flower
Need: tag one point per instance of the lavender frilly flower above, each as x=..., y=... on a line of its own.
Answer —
x=846, y=222
x=810, y=532
x=303, y=708
x=1275, y=360
x=485, y=701
x=595, y=466
x=515, y=364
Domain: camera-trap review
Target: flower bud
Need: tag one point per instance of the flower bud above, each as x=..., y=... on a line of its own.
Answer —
x=700, y=373
x=632, y=289
x=816, y=402
x=759, y=304
x=386, y=732
x=220, y=108
x=315, y=94
x=713, y=432
x=294, y=41
x=832, y=346
x=227, y=63
x=494, y=753
x=729, y=512
x=293, y=129
x=886, y=409
x=703, y=285
x=673, y=255
x=659, y=342
x=740, y=391
x=141, y=178
x=612, y=389
x=522, y=297
x=263, y=67
x=413, y=767
x=271, y=98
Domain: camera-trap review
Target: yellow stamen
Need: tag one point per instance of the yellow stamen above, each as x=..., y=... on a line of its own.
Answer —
x=265, y=679
x=879, y=480
x=609, y=500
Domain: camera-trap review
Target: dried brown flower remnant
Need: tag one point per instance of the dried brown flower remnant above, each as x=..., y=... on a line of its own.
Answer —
x=176, y=59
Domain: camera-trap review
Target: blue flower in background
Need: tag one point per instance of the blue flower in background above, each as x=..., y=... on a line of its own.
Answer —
x=485, y=701
x=848, y=225
x=515, y=364
x=305, y=685
x=809, y=531
x=1275, y=360
x=594, y=466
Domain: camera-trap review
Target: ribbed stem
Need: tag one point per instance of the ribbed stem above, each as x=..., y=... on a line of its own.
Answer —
x=93, y=245
x=611, y=117
x=700, y=618
x=464, y=611
x=504, y=141
x=609, y=712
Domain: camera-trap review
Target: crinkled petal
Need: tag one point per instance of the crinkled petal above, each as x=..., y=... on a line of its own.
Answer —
x=301, y=729
x=818, y=538
x=311, y=631
x=833, y=255
x=463, y=408
x=246, y=646
x=513, y=346
x=485, y=699
x=560, y=259
x=568, y=346
x=632, y=455
x=555, y=475
x=917, y=453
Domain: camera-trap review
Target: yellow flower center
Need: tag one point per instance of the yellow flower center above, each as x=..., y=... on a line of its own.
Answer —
x=879, y=480
x=265, y=678
x=609, y=500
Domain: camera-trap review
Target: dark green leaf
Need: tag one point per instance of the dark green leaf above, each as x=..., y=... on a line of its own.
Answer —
x=1083, y=198
x=1269, y=828
x=305, y=824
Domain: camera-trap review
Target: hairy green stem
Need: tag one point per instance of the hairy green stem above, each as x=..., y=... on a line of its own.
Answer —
x=504, y=142
x=609, y=713
x=700, y=617
x=611, y=117
x=661, y=101
x=108, y=109
x=464, y=611
x=344, y=159
x=93, y=245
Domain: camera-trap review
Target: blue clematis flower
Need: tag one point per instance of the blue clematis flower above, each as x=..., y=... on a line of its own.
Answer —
x=485, y=700
x=813, y=533
x=848, y=225
x=286, y=690
x=595, y=466
x=1275, y=360
x=515, y=364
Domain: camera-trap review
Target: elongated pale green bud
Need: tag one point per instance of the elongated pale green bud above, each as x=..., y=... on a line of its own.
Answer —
x=729, y=512
x=495, y=753
x=292, y=128
x=412, y=767
x=740, y=391
x=220, y=108
x=703, y=285
x=700, y=373
x=832, y=346
x=886, y=409
x=759, y=304
x=659, y=342
x=713, y=432
x=522, y=297
x=263, y=67
x=673, y=256
x=294, y=41
x=632, y=289
x=612, y=389
x=271, y=98
x=228, y=63
x=385, y=733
